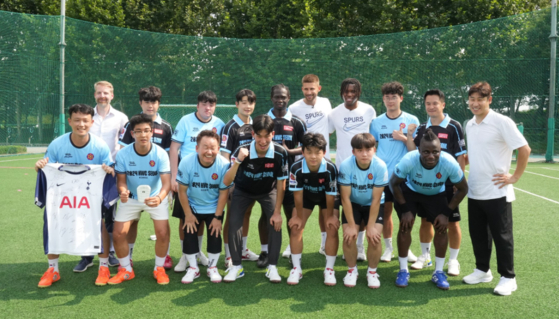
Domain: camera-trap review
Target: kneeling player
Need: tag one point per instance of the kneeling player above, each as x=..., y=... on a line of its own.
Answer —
x=362, y=179
x=423, y=194
x=203, y=197
x=313, y=181
x=138, y=165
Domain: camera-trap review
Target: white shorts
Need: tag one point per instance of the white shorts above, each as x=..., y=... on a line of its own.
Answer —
x=132, y=209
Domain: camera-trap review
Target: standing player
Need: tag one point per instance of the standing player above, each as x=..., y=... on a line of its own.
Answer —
x=313, y=182
x=150, y=98
x=362, y=180
x=184, y=142
x=289, y=131
x=348, y=119
x=137, y=165
x=203, y=197
x=388, y=130
x=79, y=147
x=491, y=139
x=259, y=170
x=314, y=110
x=452, y=141
x=423, y=193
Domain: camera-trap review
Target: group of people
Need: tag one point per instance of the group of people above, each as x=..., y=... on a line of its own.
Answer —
x=217, y=171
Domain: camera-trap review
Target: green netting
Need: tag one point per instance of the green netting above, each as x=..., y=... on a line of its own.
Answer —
x=510, y=53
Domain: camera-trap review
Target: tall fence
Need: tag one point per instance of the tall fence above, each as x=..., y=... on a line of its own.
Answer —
x=511, y=53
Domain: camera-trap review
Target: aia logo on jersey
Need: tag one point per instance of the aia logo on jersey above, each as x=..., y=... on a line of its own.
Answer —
x=439, y=175
x=74, y=204
x=152, y=163
x=402, y=125
x=214, y=176
x=370, y=176
x=287, y=128
x=269, y=165
x=90, y=156
x=321, y=180
x=157, y=131
x=443, y=135
x=214, y=130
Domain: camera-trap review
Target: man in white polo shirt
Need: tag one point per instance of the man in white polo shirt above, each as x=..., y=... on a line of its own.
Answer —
x=491, y=139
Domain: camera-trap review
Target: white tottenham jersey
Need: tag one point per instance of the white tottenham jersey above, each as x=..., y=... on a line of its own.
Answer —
x=72, y=196
x=316, y=118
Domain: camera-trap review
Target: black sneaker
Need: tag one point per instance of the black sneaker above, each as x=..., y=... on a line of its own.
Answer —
x=85, y=262
x=113, y=261
x=262, y=261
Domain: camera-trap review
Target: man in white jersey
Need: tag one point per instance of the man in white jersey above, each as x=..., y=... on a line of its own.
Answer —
x=314, y=110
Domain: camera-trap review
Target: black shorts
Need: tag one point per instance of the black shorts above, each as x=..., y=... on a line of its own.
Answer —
x=288, y=198
x=177, y=207
x=424, y=206
x=361, y=213
x=388, y=196
x=309, y=204
x=449, y=191
x=108, y=215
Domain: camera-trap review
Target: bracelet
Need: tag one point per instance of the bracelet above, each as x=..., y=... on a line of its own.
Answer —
x=237, y=161
x=220, y=218
x=160, y=200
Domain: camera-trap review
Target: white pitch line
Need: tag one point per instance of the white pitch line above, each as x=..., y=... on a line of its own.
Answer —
x=551, y=169
x=538, y=174
x=527, y=192
x=23, y=159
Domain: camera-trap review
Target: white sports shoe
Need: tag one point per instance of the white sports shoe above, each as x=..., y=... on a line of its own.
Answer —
x=287, y=252
x=350, y=279
x=191, y=274
x=361, y=256
x=233, y=273
x=453, y=268
x=322, y=251
x=387, y=256
x=329, y=277
x=202, y=259
x=411, y=257
x=272, y=274
x=506, y=286
x=294, y=276
x=249, y=255
x=477, y=277
x=372, y=280
x=228, y=262
x=182, y=264
x=214, y=275
x=422, y=262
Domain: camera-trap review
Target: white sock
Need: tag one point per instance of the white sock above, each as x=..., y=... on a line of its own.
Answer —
x=403, y=263
x=371, y=270
x=213, y=258
x=288, y=247
x=330, y=261
x=159, y=262
x=130, y=249
x=453, y=254
x=388, y=243
x=103, y=262
x=169, y=249
x=245, y=243
x=227, y=251
x=426, y=250
x=296, y=260
x=125, y=263
x=192, y=260
x=360, y=238
x=322, y=239
x=54, y=264
x=354, y=268
x=200, y=240
x=271, y=266
x=264, y=248
x=439, y=264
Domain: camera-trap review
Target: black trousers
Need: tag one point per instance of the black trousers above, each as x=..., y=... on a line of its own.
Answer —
x=190, y=244
x=491, y=221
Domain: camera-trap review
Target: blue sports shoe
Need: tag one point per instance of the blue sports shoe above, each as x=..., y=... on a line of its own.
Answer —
x=439, y=278
x=85, y=262
x=402, y=278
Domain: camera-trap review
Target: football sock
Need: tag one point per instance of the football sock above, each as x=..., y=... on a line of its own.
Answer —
x=103, y=262
x=227, y=251
x=130, y=249
x=213, y=258
x=426, y=250
x=322, y=239
x=200, y=240
x=360, y=238
x=388, y=243
x=403, y=263
x=453, y=254
x=372, y=269
x=296, y=260
x=159, y=262
x=330, y=261
x=192, y=260
x=264, y=248
x=245, y=243
x=125, y=263
x=439, y=264
x=54, y=264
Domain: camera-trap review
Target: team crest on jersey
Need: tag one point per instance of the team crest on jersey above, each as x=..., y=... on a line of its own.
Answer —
x=90, y=156
x=214, y=130
x=214, y=176
x=269, y=165
x=157, y=131
x=292, y=179
x=370, y=176
x=321, y=180
x=152, y=163
x=287, y=128
x=439, y=175
x=223, y=138
x=443, y=135
x=121, y=135
x=402, y=125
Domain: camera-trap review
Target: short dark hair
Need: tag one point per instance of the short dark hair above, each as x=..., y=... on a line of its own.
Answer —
x=430, y=136
x=392, y=88
x=263, y=122
x=208, y=133
x=350, y=81
x=251, y=97
x=139, y=119
x=81, y=108
x=279, y=86
x=436, y=92
x=207, y=96
x=151, y=93
x=311, y=139
x=310, y=78
x=363, y=140
x=483, y=88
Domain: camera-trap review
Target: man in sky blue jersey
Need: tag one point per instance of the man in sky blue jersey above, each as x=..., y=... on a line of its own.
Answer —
x=389, y=130
x=203, y=197
x=425, y=172
x=184, y=142
x=138, y=165
x=362, y=179
x=79, y=147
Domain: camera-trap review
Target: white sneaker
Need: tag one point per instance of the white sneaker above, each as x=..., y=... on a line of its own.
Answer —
x=329, y=277
x=233, y=273
x=294, y=276
x=249, y=255
x=387, y=256
x=411, y=257
x=322, y=251
x=191, y=274
x=361, y=256
x=422, y=262
x=272, y=274
x=228, y=262
x=182, y=264
x=202, y=259
x=477, y=277
x=214, y=275
x=506, y=286
x=453, y=268
x=372, y=280
x=287, y=252
x=350, y=279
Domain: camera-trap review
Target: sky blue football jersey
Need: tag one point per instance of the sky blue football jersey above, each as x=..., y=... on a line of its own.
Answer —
x=188, y=129
x=362, y=181
x=63, y=151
